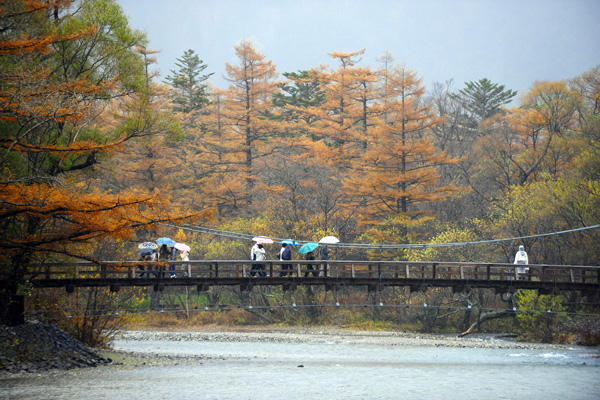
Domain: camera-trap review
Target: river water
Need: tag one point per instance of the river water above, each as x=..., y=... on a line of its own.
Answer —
x=333, y=370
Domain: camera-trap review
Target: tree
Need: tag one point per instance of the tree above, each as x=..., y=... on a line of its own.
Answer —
x=340, y=113
x=526, y=143
x=398, y=171
x=149, y=162
x=190, y=94
x=304, y=90
x=336, y=125
x=483, y=99
x=454, y=134
x=588, y=87
x=59, y=71
x=248, y=98
x=540, y=316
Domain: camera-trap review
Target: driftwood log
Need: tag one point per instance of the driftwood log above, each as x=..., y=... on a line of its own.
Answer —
x=481, y=318
x=487, y=317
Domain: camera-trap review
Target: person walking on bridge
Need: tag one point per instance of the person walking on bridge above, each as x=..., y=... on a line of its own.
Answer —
x=261, y=255
x=285, y=254
x=254, y=267
x=184, y=257
x=521, y=258
x=324, y=257
x=309, y=267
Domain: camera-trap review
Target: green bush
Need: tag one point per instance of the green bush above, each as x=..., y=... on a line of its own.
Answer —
x=539, y=316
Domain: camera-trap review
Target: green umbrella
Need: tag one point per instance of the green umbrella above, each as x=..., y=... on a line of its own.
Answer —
x=307, y=247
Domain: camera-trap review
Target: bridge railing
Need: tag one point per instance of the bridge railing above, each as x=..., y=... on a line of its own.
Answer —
x=383, y=270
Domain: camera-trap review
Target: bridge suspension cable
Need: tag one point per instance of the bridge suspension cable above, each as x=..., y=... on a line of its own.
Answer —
x=244, y=236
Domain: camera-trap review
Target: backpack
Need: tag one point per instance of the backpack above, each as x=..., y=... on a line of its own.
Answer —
x=287, y=254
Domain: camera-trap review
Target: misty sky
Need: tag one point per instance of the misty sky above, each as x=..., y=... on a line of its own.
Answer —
x=511, y=42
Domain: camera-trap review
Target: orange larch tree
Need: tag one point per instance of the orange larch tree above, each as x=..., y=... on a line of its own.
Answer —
x=151, y=161
x=214, y=155
x=248, y=100
x=398, y=173
x=338, y=120
x=60, y=67
x=300, y=179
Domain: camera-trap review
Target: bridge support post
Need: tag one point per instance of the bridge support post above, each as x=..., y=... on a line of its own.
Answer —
x=375, y=288
x=418, y=288
x=289, y=286
x=203, y=288
x=247, y=288
x=501, y=289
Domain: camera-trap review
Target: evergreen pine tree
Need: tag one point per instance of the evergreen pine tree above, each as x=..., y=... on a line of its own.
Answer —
x=483, y=99
x=188, y=83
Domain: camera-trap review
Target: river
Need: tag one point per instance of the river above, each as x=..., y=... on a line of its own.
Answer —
x=330, y=370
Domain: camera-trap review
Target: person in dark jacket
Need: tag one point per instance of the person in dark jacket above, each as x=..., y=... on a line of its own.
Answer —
x=148, y=257
x=324, y=257
x=164, y=254
x=173, y=257
x=309, y=267
x=285, y=254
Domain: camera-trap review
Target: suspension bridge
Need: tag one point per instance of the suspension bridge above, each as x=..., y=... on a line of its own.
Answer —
x=375, y=275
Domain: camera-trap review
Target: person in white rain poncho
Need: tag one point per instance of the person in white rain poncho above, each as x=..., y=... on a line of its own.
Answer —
x=253, y=258
x=260, y=256
x=184, y=257
x=522, y=259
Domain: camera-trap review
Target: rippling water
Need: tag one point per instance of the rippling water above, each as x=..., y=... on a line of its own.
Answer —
x=327, y=371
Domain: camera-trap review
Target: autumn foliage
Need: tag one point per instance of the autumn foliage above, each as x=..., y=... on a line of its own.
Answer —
x=93, y=148
x=51, y=96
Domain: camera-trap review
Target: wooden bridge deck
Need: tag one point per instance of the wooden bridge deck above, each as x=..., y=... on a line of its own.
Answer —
x=331, y=274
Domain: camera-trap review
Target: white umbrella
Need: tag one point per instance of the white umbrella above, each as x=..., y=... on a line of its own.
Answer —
x=148, y=245
x=329, y=240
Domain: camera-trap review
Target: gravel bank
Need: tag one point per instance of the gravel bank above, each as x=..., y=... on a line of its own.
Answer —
x=331, y=335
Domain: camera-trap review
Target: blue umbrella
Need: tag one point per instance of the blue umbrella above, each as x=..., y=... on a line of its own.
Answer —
x=307, y=247
x=165, y=240
x=290, y=242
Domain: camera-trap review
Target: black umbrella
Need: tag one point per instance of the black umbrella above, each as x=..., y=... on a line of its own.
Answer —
x=146, y=252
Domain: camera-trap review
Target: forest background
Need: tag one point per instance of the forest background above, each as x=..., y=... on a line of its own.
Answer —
x=98, y=154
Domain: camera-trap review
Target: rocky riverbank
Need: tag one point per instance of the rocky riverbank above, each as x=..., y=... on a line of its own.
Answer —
x=38, y=347
x=35, y=347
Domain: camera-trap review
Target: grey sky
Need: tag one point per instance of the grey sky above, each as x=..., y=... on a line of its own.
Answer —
x=512, y=42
